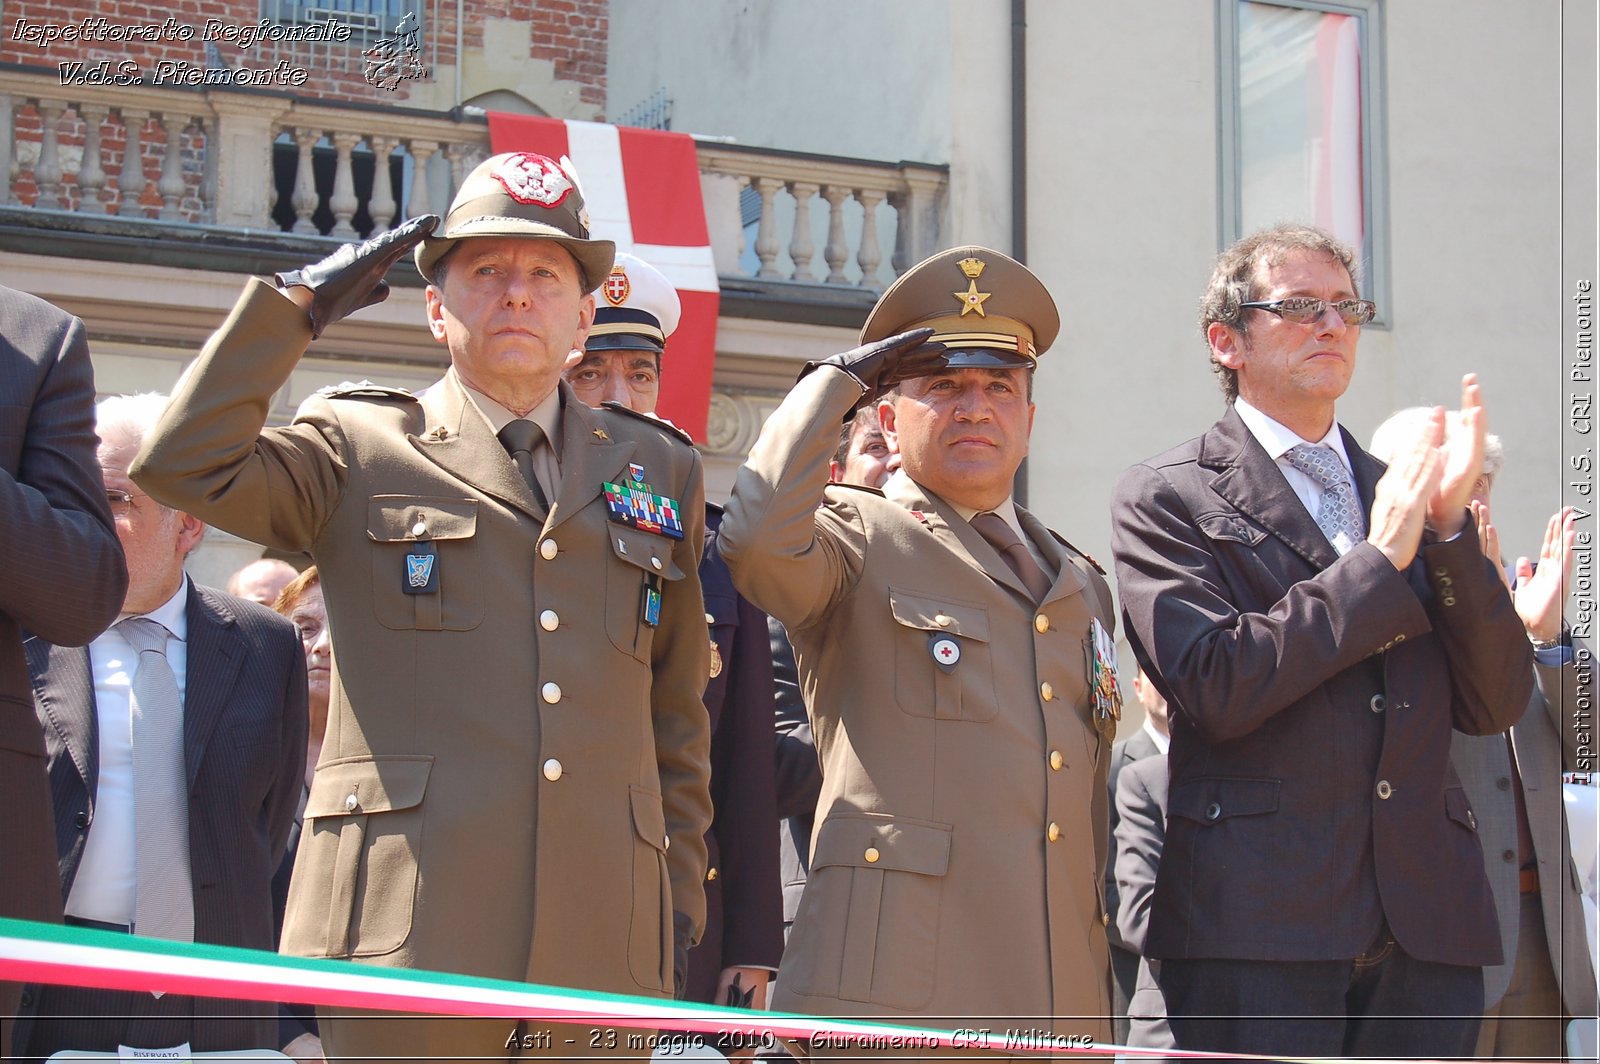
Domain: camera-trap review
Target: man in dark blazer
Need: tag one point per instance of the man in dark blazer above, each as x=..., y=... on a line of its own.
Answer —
x=241, y=699
x=1316, y=644
x=64, y=575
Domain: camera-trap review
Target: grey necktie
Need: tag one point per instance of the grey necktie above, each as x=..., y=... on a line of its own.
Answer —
x=1339, y=515
x=164, y=905
x=522, y=437
x=999, y=535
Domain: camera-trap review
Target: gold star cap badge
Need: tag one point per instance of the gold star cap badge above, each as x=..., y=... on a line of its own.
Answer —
x=1011, y=323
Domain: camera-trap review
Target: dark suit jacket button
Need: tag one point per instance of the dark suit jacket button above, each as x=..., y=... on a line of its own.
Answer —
x=27, y=997
x=1213, y=811
x=1377, y=703
x=1509, y=855
x=1503, y=783
x=80, y=821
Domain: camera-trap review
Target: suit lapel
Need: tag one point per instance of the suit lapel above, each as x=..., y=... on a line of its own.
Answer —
x=1256, y=487
x=215, y=652
x=63, y=684
x=1368, y=471
x=589, y=458
x=457, y=438
x=956, y=534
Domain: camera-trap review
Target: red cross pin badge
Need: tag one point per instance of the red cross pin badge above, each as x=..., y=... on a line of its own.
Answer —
x=946, y=651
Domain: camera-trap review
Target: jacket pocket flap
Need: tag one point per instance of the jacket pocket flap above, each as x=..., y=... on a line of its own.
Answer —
x=939, y=615
x=892, y=843
x=648, y=551
x=649, y=818
x=352, y=786
x=407, y=518
x=1231, y=527
x=1457, y=807
x=1210, y=800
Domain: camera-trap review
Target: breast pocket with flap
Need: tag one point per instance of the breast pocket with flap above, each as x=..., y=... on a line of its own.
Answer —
x=406, y=527
x=942, y=665
x=641, y=563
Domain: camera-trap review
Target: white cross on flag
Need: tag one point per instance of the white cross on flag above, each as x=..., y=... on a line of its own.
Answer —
x=642, y=189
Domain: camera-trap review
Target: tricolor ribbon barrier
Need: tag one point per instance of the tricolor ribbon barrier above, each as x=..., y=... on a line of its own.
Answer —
x=33, y=952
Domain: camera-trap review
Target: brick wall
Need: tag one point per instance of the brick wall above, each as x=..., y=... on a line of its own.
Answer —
x=170, y=48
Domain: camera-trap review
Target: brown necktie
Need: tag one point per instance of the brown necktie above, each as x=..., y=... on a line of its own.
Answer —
x=999, y=535
x=522, y=437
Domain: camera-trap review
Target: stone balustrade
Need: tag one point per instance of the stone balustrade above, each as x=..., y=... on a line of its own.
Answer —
x=265, y=162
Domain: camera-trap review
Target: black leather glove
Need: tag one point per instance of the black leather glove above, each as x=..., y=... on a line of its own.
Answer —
x=881, y=365
x=352, y=277
x=682, y=932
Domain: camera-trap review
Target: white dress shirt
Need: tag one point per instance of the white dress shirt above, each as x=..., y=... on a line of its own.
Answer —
x=107, y=879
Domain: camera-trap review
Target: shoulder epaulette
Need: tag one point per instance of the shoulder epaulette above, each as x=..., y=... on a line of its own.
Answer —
x=364, y=389
x=1085, y=555
x=855, y=487
x=652, y=420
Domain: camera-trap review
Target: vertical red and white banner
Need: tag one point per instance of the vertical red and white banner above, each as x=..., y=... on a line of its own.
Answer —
x=642, y=188
x=1336, y=185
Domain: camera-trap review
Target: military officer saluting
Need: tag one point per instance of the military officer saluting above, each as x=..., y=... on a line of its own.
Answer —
x=956, y=656
x=514, y=778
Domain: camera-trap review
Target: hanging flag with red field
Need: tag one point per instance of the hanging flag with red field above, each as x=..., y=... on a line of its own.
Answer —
x=642, y=188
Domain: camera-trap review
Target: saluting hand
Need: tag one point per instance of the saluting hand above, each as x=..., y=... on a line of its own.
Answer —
x=881, y=365
x=352, y=277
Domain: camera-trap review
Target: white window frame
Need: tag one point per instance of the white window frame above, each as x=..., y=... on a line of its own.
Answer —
x=1374, y=253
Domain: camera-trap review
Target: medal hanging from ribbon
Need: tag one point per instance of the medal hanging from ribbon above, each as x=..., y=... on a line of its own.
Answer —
x=1104, y=694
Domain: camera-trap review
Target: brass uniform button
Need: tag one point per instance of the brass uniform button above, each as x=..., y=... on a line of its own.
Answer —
x=1053, y=832
x=1041, y=623
x=872, y=855
x=711, y=875
x=352, y=803
x=549, y=621
x=942, y=620
x=551, y=692
x=547, y=549
x=1046, y=692
x=655, y=563
x=1056, y=761
x=552, y=770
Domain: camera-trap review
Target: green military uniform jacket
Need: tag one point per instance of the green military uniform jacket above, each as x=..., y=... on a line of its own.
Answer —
x=514, y=778
x=961, y=831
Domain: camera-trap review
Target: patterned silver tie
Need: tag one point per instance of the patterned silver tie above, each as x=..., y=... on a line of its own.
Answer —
x=164, y=905
x=1339, y=515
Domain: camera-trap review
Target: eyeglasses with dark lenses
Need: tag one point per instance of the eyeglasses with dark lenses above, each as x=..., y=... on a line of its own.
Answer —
x=1308, y=310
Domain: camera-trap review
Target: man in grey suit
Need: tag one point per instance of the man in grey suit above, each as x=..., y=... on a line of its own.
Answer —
x=64, y=575
x=176, y=747
x=1513, y=783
